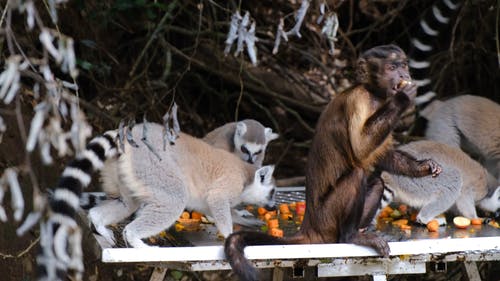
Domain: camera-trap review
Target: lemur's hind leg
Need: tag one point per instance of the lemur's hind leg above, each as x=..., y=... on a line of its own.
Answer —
x=465, y=205
x=158, y=213
x=109, y=212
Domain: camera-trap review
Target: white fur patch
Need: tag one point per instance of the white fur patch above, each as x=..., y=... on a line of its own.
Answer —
x=63, y=220
x=439, y=16
x=92, y=157
x=421, y=46
x=77, y=174
x=427, y=29
x=68, y=197
x=104, y=143
x=257, y=193
x=127, y=175
x=419, y=64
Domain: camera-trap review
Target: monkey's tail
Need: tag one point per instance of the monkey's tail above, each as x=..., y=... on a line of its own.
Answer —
x=234, y=249
x=60, y=235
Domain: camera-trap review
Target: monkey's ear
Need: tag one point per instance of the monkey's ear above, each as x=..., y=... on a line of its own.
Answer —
x=270, y=135
x=362, y=71
x=241, y=129
x=265, y=174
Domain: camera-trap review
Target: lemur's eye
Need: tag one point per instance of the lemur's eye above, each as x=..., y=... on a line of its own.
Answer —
x=244, y=150
x=258, y=152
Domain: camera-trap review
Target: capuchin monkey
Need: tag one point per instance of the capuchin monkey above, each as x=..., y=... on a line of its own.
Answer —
x=471, y=123
x=153, y=180
x=463, y=184
x=353, y=136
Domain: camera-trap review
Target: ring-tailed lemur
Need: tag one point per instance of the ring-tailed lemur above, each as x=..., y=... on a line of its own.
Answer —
x=471, y=123
x=434, y=21
x=156, y=181
x=461, y=186
x=247, y=139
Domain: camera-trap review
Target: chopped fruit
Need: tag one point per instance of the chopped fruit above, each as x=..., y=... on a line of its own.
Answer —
x=476, y=221
x=276, y=232
x=196, y=215
x=273, y=223
x=267, y=216
x=300, y=208
x=433, y=226
x=400, y=222
x=395, y=214
x=179, y=227
x=249, y=208
x=261, y=211
x=284, y=209
x=286, y=216
x=185, y=215
x=403, y=208
x=461, y=222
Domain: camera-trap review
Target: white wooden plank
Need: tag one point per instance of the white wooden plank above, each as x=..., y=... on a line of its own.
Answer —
x=209, y=253
x=373, y=266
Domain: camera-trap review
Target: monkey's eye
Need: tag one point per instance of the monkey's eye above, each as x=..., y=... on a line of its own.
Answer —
x=244, y=150
x=390, y=67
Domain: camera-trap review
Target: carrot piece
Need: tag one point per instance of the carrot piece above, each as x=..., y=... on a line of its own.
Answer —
x=276, y=232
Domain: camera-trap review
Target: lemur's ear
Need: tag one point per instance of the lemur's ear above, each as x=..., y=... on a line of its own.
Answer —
x=270, y=135
x=265, y=174
x=241, y=129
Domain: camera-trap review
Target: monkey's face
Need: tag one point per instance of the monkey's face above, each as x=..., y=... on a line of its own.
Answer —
x=395, y=74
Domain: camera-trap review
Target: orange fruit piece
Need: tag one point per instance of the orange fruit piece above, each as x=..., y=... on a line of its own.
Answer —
x=261, y=211
x=476, y=221
x=461, y=222
x=196, y=215
x=273, y=223
x=185, y=215
x=433, y=226
x=276, y=232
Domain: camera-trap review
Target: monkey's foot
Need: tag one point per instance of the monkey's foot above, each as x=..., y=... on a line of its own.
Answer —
x=372, y=240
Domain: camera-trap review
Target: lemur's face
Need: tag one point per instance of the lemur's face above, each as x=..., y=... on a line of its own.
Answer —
x=250, y=144
x=491, y=203
x=262, y=190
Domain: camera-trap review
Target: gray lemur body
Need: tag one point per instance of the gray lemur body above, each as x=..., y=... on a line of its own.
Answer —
x=160, y=183
x=469, y=122
x=247, y=139
x=461, y=186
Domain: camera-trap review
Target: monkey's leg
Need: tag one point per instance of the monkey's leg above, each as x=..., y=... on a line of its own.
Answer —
x=373, y=196
x=157, y=214
x=401, y=163
x=109, y=212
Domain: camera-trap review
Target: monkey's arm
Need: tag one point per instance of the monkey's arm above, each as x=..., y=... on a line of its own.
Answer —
x=402, y=163
x=368, y=132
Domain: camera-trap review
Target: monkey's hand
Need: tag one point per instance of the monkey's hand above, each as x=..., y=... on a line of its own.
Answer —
x=434, y=168
x=409, y=89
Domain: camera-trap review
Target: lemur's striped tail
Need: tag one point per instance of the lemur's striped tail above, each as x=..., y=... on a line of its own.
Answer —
x=423, y=45
x=60, y=236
